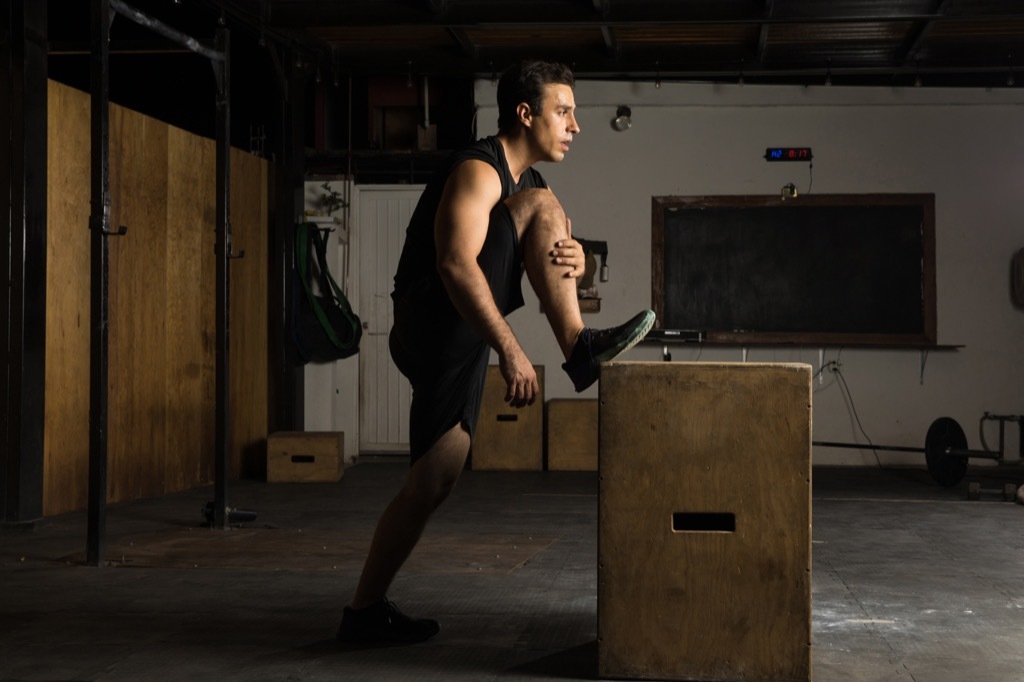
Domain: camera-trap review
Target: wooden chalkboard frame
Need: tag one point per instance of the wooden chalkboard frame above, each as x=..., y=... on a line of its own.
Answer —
x=925, y=337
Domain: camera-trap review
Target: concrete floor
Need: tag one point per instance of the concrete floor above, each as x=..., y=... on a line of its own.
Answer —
x=911, y=582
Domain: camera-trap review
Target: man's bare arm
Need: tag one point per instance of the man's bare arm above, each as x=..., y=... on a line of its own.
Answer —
x=460, y=229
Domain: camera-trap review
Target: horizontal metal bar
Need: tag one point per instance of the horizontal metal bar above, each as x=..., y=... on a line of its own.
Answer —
x=668, y=73
x=298, y=13
x=132, y=47
x=702, y=21
x=861, y=446
x=166, y=31
x=979, y=454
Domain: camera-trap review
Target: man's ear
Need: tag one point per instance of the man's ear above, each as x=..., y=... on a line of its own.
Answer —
x=524, y=114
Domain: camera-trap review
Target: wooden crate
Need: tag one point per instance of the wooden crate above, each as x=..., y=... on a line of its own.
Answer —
x=508, y=438
x=571, y=434
x=305, y=456
x=704, y=568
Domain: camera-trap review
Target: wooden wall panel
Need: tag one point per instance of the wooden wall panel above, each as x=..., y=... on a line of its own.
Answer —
x=66, y=431
x=162, y=286
x=191, y=362
x=137, y=423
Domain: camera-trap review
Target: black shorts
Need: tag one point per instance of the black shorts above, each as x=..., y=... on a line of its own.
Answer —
x=443, y=357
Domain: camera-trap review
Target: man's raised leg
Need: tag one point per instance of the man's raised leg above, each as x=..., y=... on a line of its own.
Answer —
x=541, y=222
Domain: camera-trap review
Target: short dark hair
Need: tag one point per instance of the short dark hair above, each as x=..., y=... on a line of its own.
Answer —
x=524, y=82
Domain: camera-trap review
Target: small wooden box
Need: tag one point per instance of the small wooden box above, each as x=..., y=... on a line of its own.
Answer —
x=704, y=518
x=508, y=438
x=305, y=456
x=571, y=428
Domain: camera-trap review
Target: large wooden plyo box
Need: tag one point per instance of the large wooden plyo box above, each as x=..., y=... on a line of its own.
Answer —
x=571, y=426
x=305, y=456
x=704, y=566
x=508, y=438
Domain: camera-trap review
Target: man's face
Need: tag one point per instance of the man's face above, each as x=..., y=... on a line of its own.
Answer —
x=553, y=127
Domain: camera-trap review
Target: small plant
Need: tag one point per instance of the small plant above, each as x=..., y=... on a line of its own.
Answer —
x=331, y=199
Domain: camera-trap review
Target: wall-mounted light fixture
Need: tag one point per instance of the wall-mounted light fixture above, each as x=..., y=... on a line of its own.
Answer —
x=623, y=119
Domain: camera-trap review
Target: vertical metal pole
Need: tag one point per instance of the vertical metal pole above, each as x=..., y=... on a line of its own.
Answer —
x=8, y=326
x=23, y=145
x=288, y=388
x=223, y=250
x=99, y=224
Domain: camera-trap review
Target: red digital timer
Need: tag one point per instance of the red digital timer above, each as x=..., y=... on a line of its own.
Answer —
x=787, y=154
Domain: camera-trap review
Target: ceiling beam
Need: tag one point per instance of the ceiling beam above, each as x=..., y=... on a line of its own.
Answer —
x=439, y=7
x=919, y=34
x=610, y=45
x=762, y=38
x=303, y=14
x=465, y=44
x=604, y=8
x=652, y=64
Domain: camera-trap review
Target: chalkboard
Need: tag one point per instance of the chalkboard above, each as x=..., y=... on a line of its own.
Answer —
x=823, y=269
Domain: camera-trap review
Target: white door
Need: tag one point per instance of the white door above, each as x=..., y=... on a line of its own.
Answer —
x=384, y=394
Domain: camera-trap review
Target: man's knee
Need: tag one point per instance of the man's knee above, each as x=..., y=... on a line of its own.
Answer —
x=431, y=490
x=444, y=490
x=433, y=476
x=530, y=204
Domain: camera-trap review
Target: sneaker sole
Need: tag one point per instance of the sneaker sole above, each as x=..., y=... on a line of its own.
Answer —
x=384, y=639
x=636, y=337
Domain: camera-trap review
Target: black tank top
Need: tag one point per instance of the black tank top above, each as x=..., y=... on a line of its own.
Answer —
x=417, y=267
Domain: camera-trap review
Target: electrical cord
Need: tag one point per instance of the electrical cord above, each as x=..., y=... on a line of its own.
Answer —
x=829, y=365
x=849, y=396
x=817, y=375
x=835, y=366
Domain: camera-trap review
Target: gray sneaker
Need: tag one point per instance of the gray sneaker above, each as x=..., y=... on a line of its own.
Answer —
x=595, y=346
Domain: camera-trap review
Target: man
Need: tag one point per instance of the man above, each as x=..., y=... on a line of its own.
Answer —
x=480, y=221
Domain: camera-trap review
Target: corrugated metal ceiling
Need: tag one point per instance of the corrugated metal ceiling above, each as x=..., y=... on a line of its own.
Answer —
x=941, y=42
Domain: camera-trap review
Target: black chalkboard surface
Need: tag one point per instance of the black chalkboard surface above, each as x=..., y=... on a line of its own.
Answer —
x=823, y=269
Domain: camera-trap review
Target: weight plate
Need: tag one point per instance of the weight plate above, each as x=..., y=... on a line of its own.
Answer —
x=945, y=434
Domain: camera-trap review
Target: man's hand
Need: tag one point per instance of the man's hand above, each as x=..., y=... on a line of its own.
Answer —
x=568, y=253
x=520, y=379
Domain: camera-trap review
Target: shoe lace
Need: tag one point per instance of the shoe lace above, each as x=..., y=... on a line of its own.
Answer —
x=392, y=611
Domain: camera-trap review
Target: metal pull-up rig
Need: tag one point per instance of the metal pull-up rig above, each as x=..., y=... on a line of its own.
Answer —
x=103, y=12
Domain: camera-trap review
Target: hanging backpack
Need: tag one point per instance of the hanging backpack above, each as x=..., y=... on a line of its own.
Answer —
x=324, y=327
